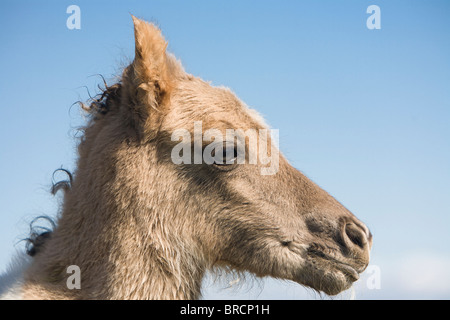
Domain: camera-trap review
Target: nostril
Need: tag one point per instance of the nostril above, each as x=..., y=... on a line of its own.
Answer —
x=356, y=235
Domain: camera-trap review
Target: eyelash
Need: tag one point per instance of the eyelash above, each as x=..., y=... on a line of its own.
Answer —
x=225, y=160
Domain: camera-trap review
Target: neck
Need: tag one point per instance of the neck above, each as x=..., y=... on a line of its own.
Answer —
x=116, y=266
x=119, y=241
x=115, y=229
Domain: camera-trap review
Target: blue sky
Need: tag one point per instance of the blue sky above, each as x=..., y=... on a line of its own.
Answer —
x=364, y=113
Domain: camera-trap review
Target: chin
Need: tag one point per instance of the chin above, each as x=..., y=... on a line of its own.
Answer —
x=327, y=276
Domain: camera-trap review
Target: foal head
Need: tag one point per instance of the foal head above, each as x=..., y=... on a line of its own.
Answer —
x=207, y=195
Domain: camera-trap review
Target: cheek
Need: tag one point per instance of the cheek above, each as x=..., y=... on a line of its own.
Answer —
x=259, y=251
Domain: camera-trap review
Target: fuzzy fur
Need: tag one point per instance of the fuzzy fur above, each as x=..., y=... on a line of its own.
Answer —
x=141, y=227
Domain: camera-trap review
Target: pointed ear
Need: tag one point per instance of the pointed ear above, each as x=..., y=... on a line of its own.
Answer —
x=148, y=75
x=150, y=62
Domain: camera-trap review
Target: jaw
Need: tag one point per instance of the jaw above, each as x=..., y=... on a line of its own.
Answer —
x=329, y=277
x=330, y=274
x=314, y=270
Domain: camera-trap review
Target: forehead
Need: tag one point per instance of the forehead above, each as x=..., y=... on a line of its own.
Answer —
x=217, y=108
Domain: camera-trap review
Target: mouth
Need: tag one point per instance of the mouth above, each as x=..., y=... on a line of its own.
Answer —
x=348, y=270
x=330, y=275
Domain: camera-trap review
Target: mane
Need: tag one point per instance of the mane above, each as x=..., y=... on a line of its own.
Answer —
x=95, y=107
x=102, y=103
x=38, y=235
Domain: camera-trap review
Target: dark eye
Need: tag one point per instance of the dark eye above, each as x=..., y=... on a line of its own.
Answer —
x=228, y=157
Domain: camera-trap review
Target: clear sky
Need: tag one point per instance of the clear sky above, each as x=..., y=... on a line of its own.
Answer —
x=364, y=113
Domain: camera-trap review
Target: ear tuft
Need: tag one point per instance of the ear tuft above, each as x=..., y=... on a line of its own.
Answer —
x=150, y=63
x=148, y=78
